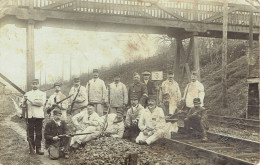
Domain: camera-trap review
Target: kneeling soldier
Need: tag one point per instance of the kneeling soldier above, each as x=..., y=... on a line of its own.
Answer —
x=55, y=134
x=132, y=117
x=197, y=119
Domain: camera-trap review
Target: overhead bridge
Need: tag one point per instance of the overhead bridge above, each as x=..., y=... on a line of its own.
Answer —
x=177, y=18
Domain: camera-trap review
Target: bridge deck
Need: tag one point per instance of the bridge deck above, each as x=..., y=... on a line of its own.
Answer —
x=171, y=16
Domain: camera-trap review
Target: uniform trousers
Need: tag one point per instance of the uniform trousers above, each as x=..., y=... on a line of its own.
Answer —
x=35, y=131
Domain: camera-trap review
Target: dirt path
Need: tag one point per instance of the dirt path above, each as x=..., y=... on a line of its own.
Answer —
x=13, y=144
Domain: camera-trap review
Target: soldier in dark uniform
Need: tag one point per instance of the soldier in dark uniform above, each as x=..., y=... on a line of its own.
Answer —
x=197, y=119
x=138, y=89
x=151, y=88
x=57, y=146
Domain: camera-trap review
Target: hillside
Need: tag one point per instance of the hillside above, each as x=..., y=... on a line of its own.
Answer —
x=210, y=76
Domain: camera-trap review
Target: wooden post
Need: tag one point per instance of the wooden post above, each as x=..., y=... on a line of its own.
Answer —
x=177, y=59
x=224, y=55
x=30, y=54
x=196, y=57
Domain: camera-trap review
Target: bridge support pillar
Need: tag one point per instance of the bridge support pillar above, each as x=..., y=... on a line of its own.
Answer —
x=177, y=59
x=196, y=57
x=30, y=59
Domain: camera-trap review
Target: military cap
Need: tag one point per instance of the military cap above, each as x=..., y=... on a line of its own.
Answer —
x=170, y=72
x=119, y=117
x=90, y=104
x=134, y=97
x=146, y=73
x=135, y=73
x=57, y=112
x=196, y=101
x=57, y=84
x=152, y=97
x=76, y=79
x=35, y=81
x=195, y=73
x=95, y=70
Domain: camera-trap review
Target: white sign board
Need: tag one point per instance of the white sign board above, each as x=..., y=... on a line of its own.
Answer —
x=157, y=75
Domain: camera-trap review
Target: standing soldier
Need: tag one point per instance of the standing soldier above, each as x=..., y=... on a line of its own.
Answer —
x=170, y=94
x=56, y=97
x=35, y=100
x=97, y=92
x=79, y=97
x=138, y=89
x=151, y=88
x=194, y=89
x=117, y=94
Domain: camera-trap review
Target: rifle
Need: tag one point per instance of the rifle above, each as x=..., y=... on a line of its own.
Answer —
x=25, y=107
x=106, y=123
x=73, y=102
x=196, y=112
x=76, y=134
x=53, y=106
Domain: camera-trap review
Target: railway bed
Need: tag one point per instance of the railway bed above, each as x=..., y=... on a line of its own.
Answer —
x=237, y=123
x=219, y=149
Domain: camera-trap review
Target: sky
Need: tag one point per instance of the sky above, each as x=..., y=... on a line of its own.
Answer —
x=86, y=49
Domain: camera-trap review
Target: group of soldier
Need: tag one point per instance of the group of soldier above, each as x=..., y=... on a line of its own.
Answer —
x=138, y=113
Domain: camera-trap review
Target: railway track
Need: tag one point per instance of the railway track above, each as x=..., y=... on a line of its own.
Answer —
x=237, y=123
x=219, y=149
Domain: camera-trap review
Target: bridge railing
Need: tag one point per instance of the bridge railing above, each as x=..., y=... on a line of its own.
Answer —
x=185, y=10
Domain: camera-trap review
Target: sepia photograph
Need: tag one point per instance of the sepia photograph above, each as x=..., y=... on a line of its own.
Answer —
x=129, y=82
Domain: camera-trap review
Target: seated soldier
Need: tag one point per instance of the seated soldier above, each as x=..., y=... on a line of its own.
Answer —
x=57, y=146
x=152, y=123
x=115, y=125
x=197, y=119
x=132, y=117
x=86, y=122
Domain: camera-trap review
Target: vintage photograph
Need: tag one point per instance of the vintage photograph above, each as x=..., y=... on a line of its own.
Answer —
x=129, y=82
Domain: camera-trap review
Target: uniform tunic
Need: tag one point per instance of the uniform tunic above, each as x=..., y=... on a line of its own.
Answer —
x=138, y=89
x=173, y=90
x=194, y=90
x=151, y=89
x=117, y=96
x=97, y=94
x=88, y=123
x=64, y=105
x=81, y=99
x=53, y=129
x=152, y=125
x=35, y=111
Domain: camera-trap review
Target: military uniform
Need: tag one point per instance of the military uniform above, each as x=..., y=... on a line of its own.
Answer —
x=138, y=89
x=197, y=119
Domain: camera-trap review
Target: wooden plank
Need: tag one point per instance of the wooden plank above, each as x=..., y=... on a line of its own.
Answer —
x=57, y=4
x=187, y=68
x=168, y=11
x=224, y=55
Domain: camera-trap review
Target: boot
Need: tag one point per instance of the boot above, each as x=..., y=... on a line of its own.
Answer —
x=205, y=138
x=38, y=151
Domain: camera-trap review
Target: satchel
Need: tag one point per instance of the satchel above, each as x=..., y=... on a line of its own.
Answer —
x=54, y=152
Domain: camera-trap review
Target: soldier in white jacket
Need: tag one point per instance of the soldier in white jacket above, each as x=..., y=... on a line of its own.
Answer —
x=87, y=121
x=117, y=95
x=170, y=94
x=194, y=89
x=35, y=100
x=115, y=125
x=152, y=123
x=56, y=97
x=81, y=99
x=97, y=92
